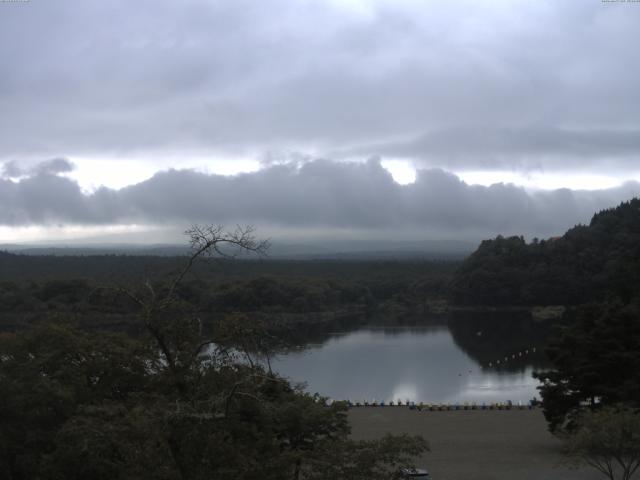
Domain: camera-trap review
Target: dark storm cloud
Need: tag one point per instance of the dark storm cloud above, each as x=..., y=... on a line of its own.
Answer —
x=118, y=77
x=320, y=194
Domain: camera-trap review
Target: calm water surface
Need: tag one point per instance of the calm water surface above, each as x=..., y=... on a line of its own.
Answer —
x=430, y=364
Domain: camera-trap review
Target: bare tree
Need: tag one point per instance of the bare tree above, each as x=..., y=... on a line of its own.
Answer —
x=171, y=336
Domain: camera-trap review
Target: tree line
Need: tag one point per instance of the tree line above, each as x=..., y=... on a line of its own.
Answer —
x=587, y=263
x=174, y=402
x=294, y=292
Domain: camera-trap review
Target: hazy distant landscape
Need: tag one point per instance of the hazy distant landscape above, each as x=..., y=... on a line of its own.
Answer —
x=319, y=240
x=354, y=250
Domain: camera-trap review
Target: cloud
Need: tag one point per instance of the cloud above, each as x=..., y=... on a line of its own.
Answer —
x=53, y=166
x=524, y=83
x=11, y=169
x=311, y=196
x=523, y=148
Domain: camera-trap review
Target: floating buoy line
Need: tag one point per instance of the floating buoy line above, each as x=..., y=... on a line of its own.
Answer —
x=507, y=358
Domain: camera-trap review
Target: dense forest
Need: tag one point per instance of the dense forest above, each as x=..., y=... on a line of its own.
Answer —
x=176, y=400
x=113, y=372
x=118, y=370
x=588, y=263
x=86, y=289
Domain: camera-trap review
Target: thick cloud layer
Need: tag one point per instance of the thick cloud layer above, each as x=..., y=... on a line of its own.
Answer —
x=524, y=149
x=454, y=84
x=321, y=194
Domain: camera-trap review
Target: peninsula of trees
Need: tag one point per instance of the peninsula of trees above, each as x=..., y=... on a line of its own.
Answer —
x=587, y=263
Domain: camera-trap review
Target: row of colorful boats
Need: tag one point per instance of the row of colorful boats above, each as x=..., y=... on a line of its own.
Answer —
x=508, y=405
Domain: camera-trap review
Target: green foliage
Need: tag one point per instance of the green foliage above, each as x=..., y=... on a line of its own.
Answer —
x=80, y=405
x=276, y=289
x=172, y=402
x=46, y=375
x=587, y=263
x=608, y=439
x=596, y=362
x=281, y=294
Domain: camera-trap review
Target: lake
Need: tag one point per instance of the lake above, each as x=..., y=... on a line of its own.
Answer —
x=464, y=359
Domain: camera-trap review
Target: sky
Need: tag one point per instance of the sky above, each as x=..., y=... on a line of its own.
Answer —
x=359, y=119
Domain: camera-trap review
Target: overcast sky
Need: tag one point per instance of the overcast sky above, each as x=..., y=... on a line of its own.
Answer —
x=421, y=119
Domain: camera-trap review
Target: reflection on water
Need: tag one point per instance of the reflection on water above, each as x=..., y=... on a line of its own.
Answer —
x=496, y=339
x=431, y=364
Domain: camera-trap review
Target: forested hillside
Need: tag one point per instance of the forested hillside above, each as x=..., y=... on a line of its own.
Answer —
x=588, y=263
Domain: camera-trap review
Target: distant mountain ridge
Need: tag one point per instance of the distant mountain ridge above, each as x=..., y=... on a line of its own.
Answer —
x=588, y=263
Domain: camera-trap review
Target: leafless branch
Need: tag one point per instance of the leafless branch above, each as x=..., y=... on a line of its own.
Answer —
x=207, y=240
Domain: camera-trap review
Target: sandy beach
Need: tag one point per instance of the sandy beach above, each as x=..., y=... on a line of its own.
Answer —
x=475, y=444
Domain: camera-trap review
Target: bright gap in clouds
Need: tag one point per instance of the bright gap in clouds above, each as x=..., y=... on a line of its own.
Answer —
x=401, y=171
x=116, y=173
x=73, y=234
x=404, y=173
